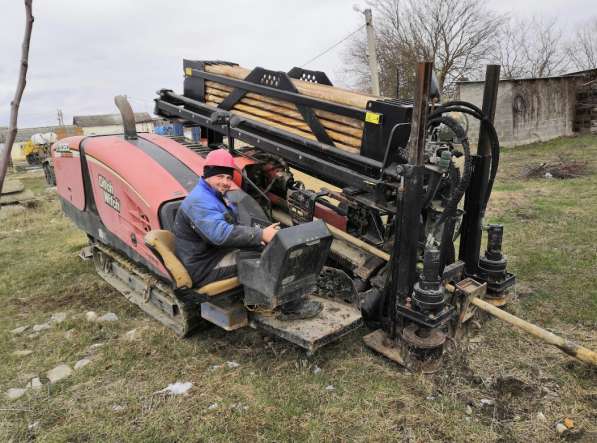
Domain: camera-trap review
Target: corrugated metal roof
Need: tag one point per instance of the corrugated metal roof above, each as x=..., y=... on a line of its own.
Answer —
x=25, y=134
x=86, y=121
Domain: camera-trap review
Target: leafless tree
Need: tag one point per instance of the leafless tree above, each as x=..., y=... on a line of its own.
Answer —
x=14, y=105
x=583, y=49
x=455, y=34
x=530, y=48
x=508, y=52
x=543, y=48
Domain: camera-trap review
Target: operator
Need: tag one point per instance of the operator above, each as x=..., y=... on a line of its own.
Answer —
x=206, y=225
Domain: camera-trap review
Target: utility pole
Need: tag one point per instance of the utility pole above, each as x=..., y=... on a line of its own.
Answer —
x=372, y=52
x=60, y=118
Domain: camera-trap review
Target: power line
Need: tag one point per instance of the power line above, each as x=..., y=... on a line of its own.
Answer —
x=333, y=46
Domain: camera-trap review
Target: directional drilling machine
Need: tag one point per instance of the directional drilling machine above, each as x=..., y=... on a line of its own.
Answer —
x=396, y=201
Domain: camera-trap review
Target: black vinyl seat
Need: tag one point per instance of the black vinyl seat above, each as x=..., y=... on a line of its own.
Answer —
x=168, y=214
x=288, y=267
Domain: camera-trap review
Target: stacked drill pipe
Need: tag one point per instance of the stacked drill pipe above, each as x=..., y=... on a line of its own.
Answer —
x=345, y=132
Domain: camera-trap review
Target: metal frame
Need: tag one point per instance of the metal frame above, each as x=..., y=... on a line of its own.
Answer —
x=400, y=280
x=281, y=81
x=335, y=165
x=277, y=84
x=470, y=243
x=248, y=85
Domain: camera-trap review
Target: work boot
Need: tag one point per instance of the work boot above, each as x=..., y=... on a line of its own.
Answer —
x=300, y=309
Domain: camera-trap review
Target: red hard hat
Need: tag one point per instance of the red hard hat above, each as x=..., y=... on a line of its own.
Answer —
x=220, y=157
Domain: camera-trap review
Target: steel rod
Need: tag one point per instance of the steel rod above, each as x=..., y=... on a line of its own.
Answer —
x=569, y=347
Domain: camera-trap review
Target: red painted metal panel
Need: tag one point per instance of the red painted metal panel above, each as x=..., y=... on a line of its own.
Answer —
x=181, y=152
x=124, y=209
x=129, y=187
x=67, y=166
x=190, y=158
x=141, y=173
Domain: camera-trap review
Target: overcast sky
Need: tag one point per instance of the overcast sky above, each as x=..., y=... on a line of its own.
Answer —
x=83, y=53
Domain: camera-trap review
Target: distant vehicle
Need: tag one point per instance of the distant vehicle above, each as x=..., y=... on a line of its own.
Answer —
x=38, y=147
x=42, y=144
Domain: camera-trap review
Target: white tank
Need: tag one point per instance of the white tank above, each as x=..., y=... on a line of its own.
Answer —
x=44, y=139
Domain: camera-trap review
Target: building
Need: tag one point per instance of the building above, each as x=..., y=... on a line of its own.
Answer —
x=82, y=125
x=111, y=123
x=538, y=109
x=24, y=135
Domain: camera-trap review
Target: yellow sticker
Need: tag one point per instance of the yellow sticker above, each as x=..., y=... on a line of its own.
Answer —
x=188, y=71
x=373, y=117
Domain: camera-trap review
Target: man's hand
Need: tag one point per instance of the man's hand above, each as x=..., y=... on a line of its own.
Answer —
x=269, y=233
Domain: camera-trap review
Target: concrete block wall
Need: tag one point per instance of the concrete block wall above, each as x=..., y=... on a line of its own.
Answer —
x=473, y=93
x=527, y=110
x=542, y=109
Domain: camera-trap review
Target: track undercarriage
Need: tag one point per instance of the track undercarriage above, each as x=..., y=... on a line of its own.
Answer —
x=181, y=310
x=178, y=311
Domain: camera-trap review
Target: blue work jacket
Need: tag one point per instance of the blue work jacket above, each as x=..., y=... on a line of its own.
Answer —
x=206, y=229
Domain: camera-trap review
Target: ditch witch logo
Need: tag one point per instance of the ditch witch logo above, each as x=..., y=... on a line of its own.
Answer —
x=109, y=198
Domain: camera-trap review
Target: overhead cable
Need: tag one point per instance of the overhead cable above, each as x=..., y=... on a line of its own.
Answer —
x=333, y=46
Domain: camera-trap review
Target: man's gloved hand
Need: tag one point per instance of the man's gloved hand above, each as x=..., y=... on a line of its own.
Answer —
x=269, y=233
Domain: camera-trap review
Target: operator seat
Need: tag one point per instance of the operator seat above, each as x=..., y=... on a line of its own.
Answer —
x=161, y=243
x=168, y=212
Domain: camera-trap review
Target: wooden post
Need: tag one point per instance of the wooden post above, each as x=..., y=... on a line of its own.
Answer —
x=372, y=52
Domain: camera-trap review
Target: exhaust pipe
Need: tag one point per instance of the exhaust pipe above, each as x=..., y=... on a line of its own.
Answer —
x=128, y=117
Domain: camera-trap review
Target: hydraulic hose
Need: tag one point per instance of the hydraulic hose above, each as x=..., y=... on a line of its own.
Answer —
x=447, y=251
x=434, y=183
x=259, y=191
x=467, y=169
x=471, y=109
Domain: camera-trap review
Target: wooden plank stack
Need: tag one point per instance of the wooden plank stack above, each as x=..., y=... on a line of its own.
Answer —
x=346, y=132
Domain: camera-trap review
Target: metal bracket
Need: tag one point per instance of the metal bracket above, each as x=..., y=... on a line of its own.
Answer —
x=307, y=75
x=278, y=80
x=469, y=288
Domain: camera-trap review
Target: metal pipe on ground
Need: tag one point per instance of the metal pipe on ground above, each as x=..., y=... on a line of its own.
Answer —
x=580, y=352
x=569, y=347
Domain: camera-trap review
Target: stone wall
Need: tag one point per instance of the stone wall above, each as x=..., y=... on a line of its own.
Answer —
x=527, y=110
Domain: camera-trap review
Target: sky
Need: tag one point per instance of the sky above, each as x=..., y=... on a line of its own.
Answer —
x=83, y=52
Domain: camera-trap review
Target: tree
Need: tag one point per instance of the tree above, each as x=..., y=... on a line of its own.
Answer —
x=583, y=49
x=16, y=102
x=455, y=34
x=530, y=48
x=543, y=48
x=507, y=52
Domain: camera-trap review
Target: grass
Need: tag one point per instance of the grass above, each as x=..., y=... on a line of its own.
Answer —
x=274, y=395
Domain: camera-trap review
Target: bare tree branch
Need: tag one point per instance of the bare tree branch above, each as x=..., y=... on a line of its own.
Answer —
x=455, y=34
x=543, y=48
x=16, y=102
x=583, y=50
x=530, y=48
x=507, y=51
